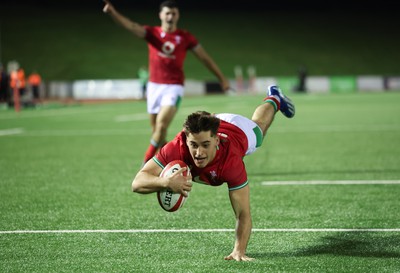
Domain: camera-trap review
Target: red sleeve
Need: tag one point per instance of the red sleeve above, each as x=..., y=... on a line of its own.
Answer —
x=191, y=40
x=171, y=151
x=151, y=37
x=235, y=174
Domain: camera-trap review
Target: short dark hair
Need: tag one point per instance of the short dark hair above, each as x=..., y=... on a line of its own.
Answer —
x=201, y=121
x=169, y=4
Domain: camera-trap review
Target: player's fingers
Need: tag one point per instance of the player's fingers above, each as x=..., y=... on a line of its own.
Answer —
x=186, y=190
x=232, y=257
x=107, y=6
x=179, y=172
x=228, y=257
x=247, y=259
x=189, y=183
x=239, y=258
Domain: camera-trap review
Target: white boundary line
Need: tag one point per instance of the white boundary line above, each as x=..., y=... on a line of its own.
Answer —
x=14, y=131
x=132, y=117
x=71, y=133
x=333, y=182
x=201, y=230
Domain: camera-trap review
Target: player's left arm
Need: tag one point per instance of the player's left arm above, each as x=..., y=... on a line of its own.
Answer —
x=124, y=21
x=148, y=180
x=203, y=56
x=240, y=201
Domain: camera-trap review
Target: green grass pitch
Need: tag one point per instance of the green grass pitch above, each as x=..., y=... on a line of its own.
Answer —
x=70, y=169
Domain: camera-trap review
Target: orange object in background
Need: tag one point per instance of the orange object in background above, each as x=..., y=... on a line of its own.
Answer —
x=14, y=84
x=13, y=79
x=21, y=78
x=17, y=103
x=17, y=84
x=34, y=79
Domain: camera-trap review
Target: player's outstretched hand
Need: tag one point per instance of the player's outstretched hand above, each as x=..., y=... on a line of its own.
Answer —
x=238, y=257
x=179, y=183
x=225, y=85
x=108, y=6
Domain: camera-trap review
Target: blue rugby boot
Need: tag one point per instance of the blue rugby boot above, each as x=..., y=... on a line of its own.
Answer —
x=286, y=106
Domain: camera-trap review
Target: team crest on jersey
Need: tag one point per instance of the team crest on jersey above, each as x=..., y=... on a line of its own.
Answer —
x=168, y=48
x=213, y=175
x=178, y=39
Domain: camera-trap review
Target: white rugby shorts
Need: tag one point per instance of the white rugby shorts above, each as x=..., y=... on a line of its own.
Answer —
x=163, y=95
x=250, y=128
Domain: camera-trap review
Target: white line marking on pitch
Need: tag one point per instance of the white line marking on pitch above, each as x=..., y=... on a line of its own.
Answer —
x=333, y=182
x=14, y=131
x=339, y=128
x=54, y=113
x=202, y=230
x=133, y=117
x=79, y=133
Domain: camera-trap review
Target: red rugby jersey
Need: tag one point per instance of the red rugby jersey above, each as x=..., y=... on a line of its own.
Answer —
x=227, y=166
x=167, y=52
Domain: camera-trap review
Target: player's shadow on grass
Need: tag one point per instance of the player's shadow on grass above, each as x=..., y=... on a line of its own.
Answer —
x=356, y=244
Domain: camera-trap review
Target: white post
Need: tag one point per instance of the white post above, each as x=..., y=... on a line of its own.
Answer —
x=251, y=72
x=239, y=78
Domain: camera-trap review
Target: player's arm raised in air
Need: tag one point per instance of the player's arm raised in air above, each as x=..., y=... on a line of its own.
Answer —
x=203, y=56
x=124, y=21
x=148, y=180
x=240, y=201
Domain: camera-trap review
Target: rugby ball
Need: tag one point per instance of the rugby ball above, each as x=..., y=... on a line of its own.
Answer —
x=168, y=200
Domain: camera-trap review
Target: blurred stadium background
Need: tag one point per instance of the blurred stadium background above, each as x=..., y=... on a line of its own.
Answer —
x=345, y=46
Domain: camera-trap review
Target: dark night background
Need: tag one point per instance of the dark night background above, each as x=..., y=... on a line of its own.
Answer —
x=330, y=37
x=282, y=5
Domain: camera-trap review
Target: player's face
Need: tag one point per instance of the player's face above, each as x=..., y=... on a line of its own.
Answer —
x=202, y=147
x=169, y=17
